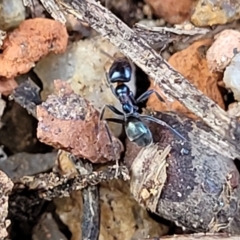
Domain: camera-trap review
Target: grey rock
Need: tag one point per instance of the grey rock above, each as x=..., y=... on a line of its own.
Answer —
x=12, y=13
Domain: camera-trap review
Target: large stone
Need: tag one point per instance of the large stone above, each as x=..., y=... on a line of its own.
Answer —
x=231, y=77
x=12, y=13
x=220, y=54
x=33, y=39
x=173, y=11
x=212, y=12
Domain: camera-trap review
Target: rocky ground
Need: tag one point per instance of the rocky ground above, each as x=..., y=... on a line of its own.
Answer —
x=52, y=88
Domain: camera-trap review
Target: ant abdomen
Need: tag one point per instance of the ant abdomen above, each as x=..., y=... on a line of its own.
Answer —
x=138, y=132
x=120, y=71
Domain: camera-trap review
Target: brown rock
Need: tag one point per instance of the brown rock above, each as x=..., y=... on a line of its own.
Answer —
x=27, y=164
x=6, y=186
x=7, y=86
x=18, y=131
x=182, y=180
x=69, y=210
x=122, y=217
x=173, y=11
x=65, y=165
x=192, y=64
x=220, y=54
x=47, y=228
x=212, y=12
x=33, y=39
x=69, y=122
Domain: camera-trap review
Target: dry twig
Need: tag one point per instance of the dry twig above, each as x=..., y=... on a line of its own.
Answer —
x=161, y=37
x=50, y=6
x=90, y=219
x=54, y=185
x=202, y=236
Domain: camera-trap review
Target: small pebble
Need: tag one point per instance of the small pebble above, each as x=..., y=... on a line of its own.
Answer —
x=231, y=77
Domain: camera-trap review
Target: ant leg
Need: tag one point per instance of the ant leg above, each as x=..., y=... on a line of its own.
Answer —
x=131, y=95
x=106, y=54
x=112, y=108
x=147, y=94
x=107, y=128
x=115, y=120
x=113, y=150
x=111, y=86
x=110, y=138
x=153, y=119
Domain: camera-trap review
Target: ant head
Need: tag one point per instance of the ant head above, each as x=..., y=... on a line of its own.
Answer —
x=120, y=71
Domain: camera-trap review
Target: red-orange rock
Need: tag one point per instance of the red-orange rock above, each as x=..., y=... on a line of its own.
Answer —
x=69, y=122
x=192, y=64
x=33, y=39
x=173, y=11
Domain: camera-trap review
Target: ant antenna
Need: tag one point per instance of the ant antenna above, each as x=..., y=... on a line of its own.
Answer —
x=106, y=54
x=162, y=123
x=115, y=58
x=110, y=139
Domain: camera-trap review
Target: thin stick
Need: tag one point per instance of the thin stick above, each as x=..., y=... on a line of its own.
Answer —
x=203, y=236
x=91, y=205
x=51, y=185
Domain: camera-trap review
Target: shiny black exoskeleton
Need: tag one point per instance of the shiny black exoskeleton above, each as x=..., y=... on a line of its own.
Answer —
x=125, y=96
x=120, y=70
x=136, y=130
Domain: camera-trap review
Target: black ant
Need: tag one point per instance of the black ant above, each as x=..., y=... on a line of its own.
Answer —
x=120, y=72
